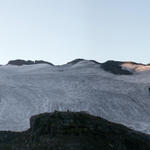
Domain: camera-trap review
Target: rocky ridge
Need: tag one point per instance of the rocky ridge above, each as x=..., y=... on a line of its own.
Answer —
x=73, y=131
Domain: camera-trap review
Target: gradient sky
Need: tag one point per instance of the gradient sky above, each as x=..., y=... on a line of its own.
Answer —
x=62, y=30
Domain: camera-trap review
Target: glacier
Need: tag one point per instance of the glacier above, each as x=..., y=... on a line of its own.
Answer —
x=81, y=86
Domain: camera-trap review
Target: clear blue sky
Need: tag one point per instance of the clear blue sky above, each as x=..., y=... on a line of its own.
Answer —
x=61, y=30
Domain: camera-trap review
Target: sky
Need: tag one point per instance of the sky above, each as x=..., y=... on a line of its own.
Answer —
x=59, y=31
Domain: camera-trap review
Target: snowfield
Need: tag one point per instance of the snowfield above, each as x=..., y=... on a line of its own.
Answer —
x=84, y=86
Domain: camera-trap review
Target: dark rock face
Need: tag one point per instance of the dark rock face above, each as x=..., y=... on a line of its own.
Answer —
x=42, y=62
x=115, y=68
x=20, y=62
x=73, y=131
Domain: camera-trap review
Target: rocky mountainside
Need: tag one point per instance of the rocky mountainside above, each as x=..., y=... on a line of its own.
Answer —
x=73, y=131
x=116, y=91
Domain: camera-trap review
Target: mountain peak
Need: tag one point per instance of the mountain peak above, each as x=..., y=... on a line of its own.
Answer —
x=75, y=61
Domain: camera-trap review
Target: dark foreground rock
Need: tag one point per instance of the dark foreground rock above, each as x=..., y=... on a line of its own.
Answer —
x=73, y=131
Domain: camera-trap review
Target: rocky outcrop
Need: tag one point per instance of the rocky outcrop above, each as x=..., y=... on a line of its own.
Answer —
x=73, y=131
x=73, y=62
x=115, y=68
x=20, y=62
x=42, y=62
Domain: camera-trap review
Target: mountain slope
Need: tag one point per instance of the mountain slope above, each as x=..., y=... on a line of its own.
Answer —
x=79, y=86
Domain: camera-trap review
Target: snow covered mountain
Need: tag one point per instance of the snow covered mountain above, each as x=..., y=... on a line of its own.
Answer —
x=117, y=91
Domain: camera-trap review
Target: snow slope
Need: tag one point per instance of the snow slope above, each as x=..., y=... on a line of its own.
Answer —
x=84, y=86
